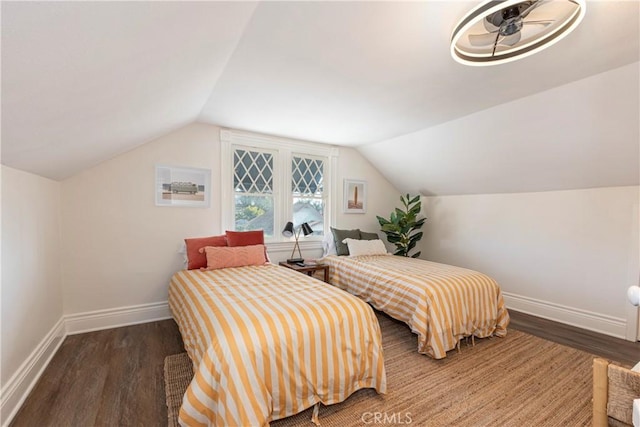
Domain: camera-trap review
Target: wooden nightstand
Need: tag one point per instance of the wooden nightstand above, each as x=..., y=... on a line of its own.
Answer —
x=309, y=269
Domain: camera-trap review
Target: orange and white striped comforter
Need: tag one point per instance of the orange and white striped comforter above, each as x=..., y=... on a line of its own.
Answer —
x=267, y=342
x=440, y=303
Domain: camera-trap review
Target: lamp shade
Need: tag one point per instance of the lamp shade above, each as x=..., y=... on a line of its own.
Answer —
x=288, y=230
x=306, y=229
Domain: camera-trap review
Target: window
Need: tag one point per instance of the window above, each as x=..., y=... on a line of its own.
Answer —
x=307, y=192
x=253, y=190
x=270, y=181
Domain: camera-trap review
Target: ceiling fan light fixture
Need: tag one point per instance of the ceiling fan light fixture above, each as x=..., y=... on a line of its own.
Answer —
x=497, y=32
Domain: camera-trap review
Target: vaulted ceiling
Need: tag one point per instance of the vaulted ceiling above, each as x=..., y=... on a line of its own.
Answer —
x=85, y=81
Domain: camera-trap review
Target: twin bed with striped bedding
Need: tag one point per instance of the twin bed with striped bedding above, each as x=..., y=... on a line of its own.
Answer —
x=267, y=342
x=440, y=303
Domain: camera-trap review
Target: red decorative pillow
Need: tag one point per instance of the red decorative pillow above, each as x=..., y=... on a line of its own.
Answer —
x=239, y=256
x=245, y=238
x=195, y=259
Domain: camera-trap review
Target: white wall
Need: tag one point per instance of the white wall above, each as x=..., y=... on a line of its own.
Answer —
x=119, y=249
x=574, y=248
x=31, y=287
x=382, y=197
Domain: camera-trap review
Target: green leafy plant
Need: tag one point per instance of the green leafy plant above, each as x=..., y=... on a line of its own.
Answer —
x=402, y=226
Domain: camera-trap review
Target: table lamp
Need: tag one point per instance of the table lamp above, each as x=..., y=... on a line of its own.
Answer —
x=289, y=231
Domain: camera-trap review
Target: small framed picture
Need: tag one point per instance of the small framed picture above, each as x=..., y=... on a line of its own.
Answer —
x=355, y=196
x=182, y=186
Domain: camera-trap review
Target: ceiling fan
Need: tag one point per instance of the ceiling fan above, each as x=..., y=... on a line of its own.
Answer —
x=504, y=26
x=499, y=31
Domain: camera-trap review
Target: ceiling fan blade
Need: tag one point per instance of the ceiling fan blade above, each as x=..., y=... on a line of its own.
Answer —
x=490, y=26
x=482, y=39
x=510, y=40
x=545, y=23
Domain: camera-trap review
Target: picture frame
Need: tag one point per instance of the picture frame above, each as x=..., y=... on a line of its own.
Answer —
x=355, y=196
x=183, y=186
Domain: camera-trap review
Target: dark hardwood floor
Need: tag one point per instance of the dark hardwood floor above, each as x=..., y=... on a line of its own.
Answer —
x=105, y=378
x=115, y=377
x=625, y=352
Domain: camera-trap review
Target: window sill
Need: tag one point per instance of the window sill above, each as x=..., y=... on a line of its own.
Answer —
x=288, y=246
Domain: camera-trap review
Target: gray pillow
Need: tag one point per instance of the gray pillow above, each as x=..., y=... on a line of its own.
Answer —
x=368, y=236
x=340, y=235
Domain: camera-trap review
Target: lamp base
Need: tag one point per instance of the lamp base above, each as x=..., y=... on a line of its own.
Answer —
x=294, y=260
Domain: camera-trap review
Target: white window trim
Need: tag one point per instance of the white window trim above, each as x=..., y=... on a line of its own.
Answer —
x=286, y=148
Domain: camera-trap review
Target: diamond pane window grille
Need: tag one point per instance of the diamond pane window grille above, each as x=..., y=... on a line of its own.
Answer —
x=252, y=172
x=306, y=177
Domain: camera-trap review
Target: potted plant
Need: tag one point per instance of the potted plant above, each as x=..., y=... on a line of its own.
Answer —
x=402, y=226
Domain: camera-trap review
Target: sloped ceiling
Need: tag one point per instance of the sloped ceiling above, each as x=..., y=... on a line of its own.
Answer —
x=85, y=81
x=82, y=82
x=584, y=134
x=356, y=73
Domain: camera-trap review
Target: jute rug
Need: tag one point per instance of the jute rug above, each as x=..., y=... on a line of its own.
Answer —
x=519, y=380
x=178, y=373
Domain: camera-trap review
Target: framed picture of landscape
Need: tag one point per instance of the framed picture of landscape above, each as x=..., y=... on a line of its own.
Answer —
x=183, y=186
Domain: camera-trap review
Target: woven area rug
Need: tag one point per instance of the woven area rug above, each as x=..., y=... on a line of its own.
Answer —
x=519, y=380
x=178, y=373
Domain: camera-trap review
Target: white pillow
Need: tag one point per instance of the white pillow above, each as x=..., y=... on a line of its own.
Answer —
x=183, y=250
x=365, y=247
x=328, y=245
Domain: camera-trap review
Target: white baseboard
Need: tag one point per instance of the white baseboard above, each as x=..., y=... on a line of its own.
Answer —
x=24, y=379
x=116, y=317
x=584, y=319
